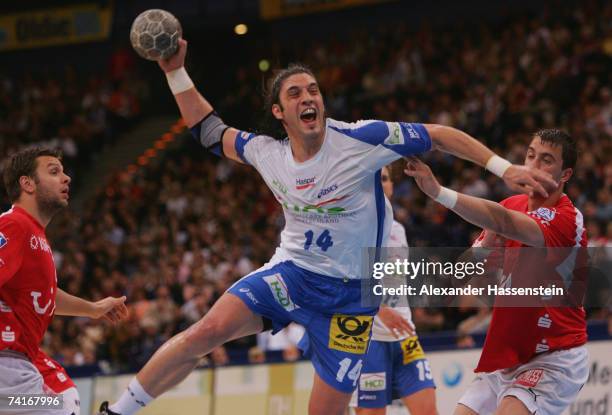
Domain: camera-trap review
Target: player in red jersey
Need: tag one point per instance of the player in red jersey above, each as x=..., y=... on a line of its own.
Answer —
x=58, y=382
x=38, y=188
x=534, y=359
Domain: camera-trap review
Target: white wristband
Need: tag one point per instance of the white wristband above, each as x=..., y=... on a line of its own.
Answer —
x=498, y=166
x=447, y=198
x=179, y=81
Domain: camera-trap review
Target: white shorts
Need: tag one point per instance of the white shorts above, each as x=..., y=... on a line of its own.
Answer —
x=72, y=401
x=546, y=385
x=19, y=376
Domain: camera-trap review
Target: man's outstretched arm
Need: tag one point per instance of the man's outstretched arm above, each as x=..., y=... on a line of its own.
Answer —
x=460, y=144
x=111, y=308
x=480, y=212
x=196, y=111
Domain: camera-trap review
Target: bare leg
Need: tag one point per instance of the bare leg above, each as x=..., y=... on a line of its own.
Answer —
x=228, y=319
x=370, y=411
x=325, y=400
x=511, y=405
x=463, y=410
x=422, y=402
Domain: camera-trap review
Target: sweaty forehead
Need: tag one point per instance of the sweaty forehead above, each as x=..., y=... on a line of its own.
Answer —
x=300, y=80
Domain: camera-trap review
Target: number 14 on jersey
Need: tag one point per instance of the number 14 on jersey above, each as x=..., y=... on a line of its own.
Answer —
x=324, y=241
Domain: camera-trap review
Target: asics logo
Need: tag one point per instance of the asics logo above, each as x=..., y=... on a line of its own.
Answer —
x=327, y=190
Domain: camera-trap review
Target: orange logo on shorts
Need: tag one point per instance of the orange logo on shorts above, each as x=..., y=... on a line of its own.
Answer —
x=529, y=378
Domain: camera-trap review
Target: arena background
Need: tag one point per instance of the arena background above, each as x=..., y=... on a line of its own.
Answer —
x=155, y=218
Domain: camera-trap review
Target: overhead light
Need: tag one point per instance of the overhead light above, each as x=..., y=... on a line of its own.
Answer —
x=264, y=65
x=241, y=29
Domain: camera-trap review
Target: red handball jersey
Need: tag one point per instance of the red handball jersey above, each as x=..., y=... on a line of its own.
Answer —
x=28, y=282
x=53, y=373
x=517, y=334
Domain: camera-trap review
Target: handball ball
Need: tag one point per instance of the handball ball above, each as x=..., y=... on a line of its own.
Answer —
x=155, y=34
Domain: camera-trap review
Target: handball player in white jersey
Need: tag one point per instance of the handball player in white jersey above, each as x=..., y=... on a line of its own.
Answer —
x=395, y=365
x=326, y=176
x=534, y=360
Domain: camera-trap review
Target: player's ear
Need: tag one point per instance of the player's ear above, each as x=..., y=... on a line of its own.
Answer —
x=277, y=111
x=27, y=184
x=566, y=174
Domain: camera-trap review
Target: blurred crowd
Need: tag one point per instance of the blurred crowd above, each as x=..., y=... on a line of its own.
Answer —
x=174, y=235
x=65, y=110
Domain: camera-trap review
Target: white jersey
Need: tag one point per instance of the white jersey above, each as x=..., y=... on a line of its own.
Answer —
x=380, y=332
x=334, y=204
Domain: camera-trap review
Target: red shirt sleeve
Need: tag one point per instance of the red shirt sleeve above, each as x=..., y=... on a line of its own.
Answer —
x=558, y=226
x=12, y=244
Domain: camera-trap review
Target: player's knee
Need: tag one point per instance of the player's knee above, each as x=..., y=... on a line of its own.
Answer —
x=422, y=404
x=327, y=408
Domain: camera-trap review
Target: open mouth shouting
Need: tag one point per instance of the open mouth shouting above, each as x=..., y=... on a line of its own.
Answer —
x=309, y=115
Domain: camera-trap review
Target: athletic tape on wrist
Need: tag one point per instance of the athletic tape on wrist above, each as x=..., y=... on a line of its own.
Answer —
x=447, y=198
x=498, y=165
x=179, y=81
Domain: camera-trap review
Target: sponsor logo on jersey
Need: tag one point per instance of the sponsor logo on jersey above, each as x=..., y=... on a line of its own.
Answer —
x=350, y=333
x=529, y=378
x=452, y=374
x=316, y=208
x=411, y=131
x=37, y=242
x=245, y=136
x=395, y=134
x=544, y=214
x=411, y=350
x=3, y=240
x=372, y=382
x=542, y=347
x=39, y=310
x=545, y=322
x=327, y=190
x=280, y=291
x=301, y=184
x=7, y=335
x=281, y=187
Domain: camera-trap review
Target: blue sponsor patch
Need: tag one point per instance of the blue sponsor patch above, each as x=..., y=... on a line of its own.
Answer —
x=3, y=240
